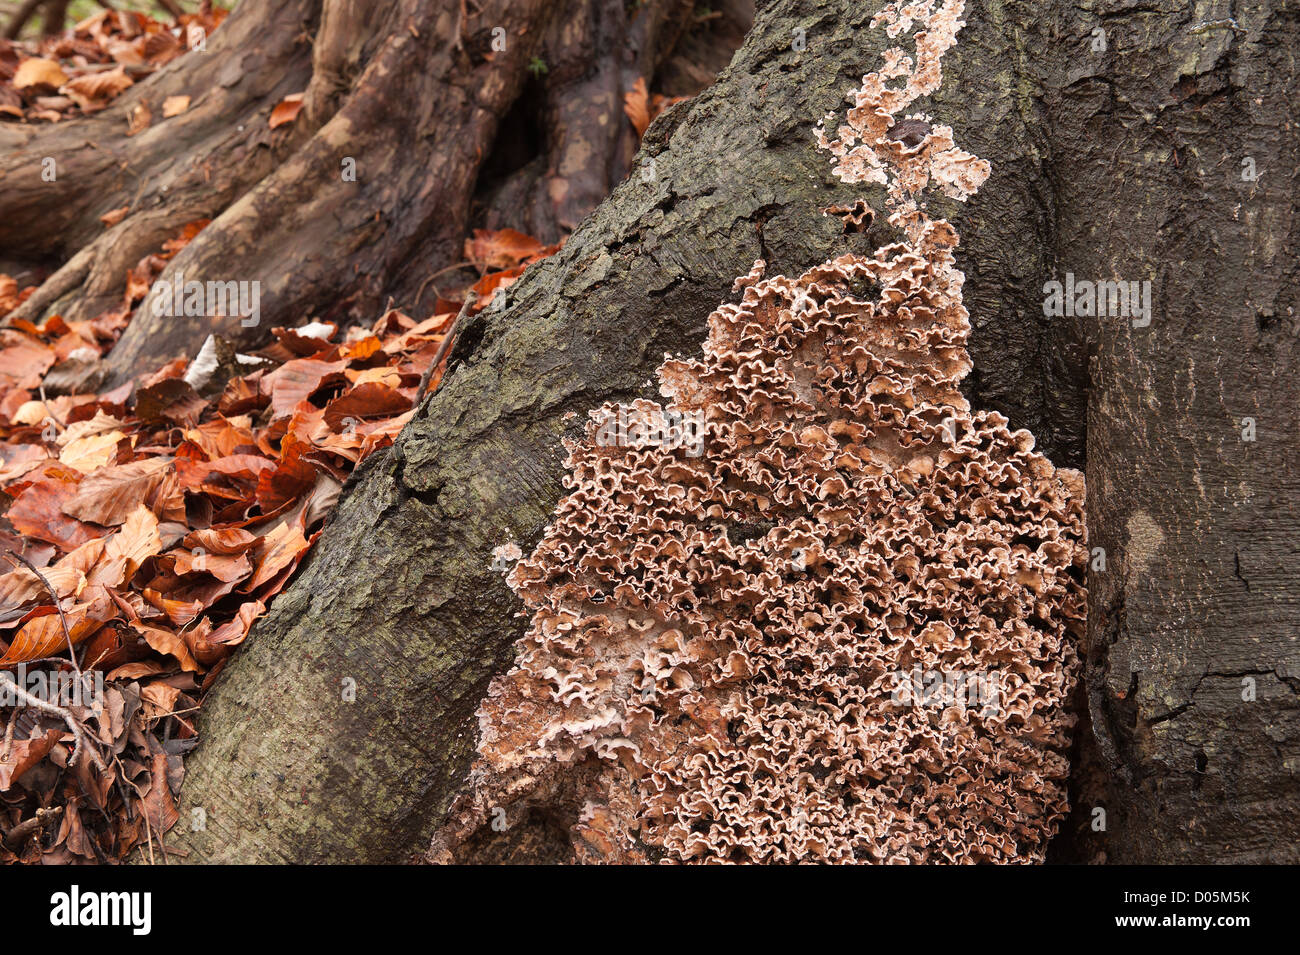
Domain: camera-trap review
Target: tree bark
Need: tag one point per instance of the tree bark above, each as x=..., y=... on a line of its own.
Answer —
x=1119, y=163
x=1195, y=665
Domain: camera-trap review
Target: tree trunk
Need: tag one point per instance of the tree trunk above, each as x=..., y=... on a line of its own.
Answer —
x=1115, y=163
x=400, y=596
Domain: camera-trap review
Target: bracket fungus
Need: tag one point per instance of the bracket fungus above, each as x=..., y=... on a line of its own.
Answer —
x=717, y=664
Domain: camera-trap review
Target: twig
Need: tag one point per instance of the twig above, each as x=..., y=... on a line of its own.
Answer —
x=173, y=8
x=12, y=556
x=20, y=833
x=9, y=734
x=460, y=23
x=425, y=284
x=50, y=411
x=78, y=731
x=470, y=299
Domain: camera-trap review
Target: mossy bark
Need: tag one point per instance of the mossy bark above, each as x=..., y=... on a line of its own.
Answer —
x=399, y=595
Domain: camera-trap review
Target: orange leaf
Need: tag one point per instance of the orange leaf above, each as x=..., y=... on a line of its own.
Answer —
x=501, y=249
x=369, y=400
x=94, y=91
x=37, y=512
x=135, y=542
x=169, y=644
x=636, y=104
x=114, y=216
x=279, y=549
x=39, y=72
x=286, y=111
x=295, y=380
x=43, y=636
x=175, y=105
x=110, y=494
x=234, y=631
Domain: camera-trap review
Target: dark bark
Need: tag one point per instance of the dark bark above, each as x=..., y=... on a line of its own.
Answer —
x=1200, y=594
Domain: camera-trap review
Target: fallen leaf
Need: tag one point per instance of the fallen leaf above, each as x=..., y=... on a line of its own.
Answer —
x=135, y=542
x=91, y=452
x=94, y=91
x=296, y=380
x=44, y=636
x=26, y=753
x=39, y=72
x=636, y=104
x=234, y=631
x=501, y=249
x=37, y=512
x=108, y=495
x=174, y=106
x=138, y=119
x=170, y=644
x=115, y=216
x=159, y=807
x=286, y=111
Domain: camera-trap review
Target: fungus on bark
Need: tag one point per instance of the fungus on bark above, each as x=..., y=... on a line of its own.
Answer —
x=726, y=634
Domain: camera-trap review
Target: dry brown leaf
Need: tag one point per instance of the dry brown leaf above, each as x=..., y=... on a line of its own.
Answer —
x=296, y=380
x=109, y=495
x=174, y=106
x=236, y=630
x=114, y=216
x=636, y=104
x=44, y=636
x=94, y=91
x=138, y=119
x=169, y=643
x=135, y=542
x=37, y=513
x=25, y=754
x=39, y=72
x=501, y=249
x=91, y=452
x=159, y=806
x=286, y=111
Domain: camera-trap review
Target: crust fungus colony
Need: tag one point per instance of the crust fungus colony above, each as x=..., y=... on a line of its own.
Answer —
x=749, y=655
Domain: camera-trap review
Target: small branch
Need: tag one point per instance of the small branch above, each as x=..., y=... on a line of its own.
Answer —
x=425, y=284
x=56, y=15
x=9, y=735
x=45, y=403
x=470, y=299
x=78, y=731
x=28, y=828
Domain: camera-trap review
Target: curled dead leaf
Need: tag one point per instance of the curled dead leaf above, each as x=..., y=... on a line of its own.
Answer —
x=286, y=111
x=94, y=91
x=174, y=106
x=38, y=72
